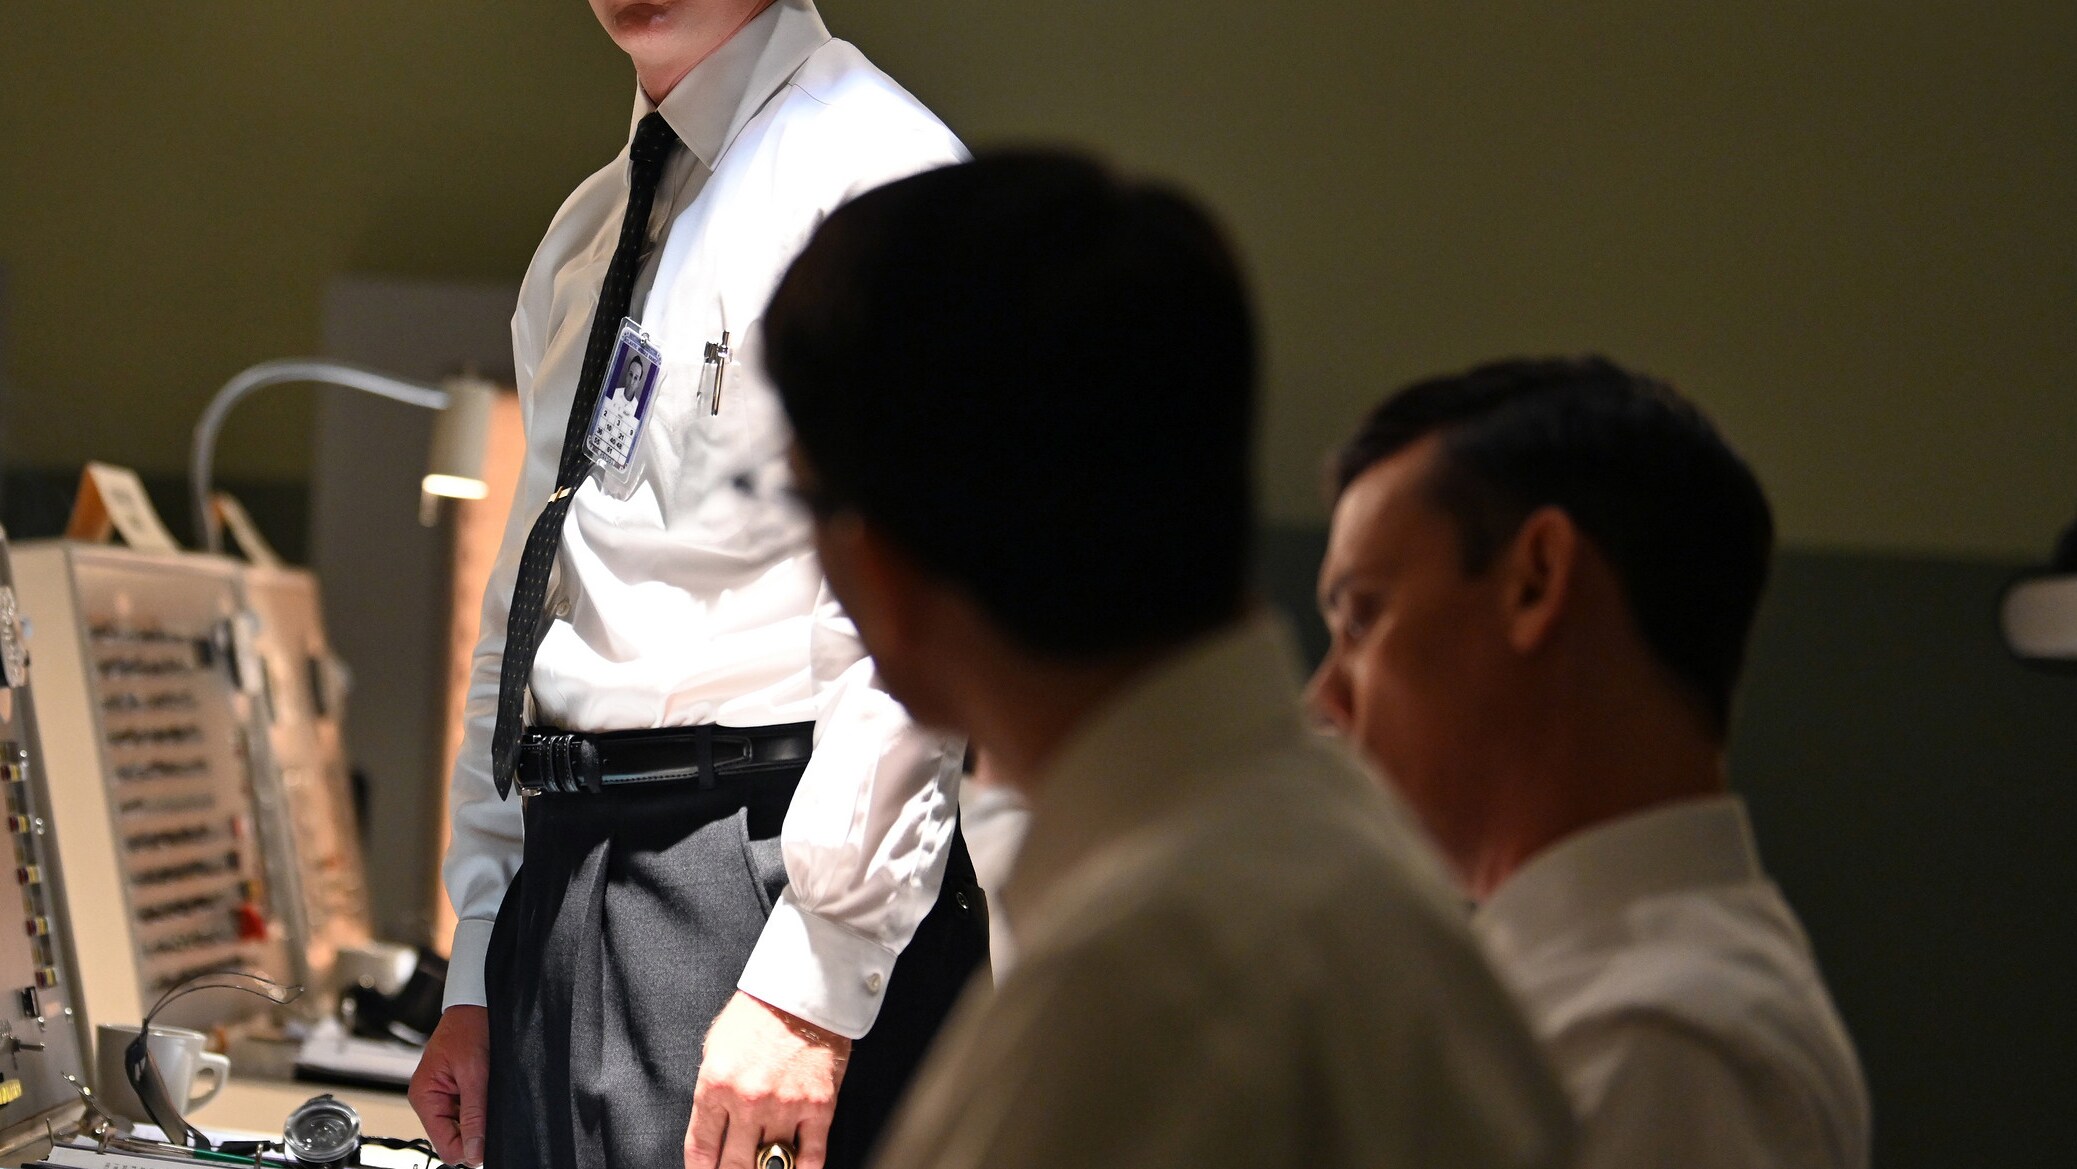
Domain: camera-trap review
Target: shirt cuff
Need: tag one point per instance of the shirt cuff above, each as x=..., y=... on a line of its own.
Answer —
x=816, y=969
x=465, y=964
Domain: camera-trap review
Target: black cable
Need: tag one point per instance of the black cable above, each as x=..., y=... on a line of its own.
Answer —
x=416, y=1145
x=143, y=1071
x=280, y=994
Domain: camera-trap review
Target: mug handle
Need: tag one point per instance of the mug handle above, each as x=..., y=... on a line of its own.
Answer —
x=219, y=1069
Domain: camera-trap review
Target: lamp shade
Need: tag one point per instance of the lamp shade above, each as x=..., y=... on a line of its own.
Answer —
x=2039, y=614
x=454, y=466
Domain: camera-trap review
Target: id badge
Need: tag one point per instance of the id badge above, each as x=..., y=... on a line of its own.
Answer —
x=622, y=411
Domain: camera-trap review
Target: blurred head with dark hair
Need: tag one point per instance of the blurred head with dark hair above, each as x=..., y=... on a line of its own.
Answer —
x=1022, y=393
x=1538, y=564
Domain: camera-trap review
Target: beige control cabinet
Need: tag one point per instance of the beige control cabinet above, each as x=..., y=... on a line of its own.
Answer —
x=42, y=1039
x=303, y=710
x=188, y=709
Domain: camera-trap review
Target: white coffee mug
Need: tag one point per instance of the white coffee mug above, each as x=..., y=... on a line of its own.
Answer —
x=180, y=1055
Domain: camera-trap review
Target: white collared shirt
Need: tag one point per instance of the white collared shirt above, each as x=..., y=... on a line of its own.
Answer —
x=1233, y=949
x=1679, y=997
x=698, y=599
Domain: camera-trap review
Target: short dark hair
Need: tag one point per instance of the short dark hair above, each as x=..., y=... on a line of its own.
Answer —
x=1039, y=379
x=1638, y=467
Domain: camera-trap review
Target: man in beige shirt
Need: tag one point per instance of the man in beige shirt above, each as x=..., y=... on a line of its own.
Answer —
x=1540, y=580
x=1022, y=392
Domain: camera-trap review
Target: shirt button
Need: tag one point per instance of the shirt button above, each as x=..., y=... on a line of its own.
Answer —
x=562, y=609
x=873, y=982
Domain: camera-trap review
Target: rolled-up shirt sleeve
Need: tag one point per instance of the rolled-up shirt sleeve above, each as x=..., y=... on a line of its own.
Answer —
x=865, y=843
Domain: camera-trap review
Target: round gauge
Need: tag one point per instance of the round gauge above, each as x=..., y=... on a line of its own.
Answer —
x=324, y=1131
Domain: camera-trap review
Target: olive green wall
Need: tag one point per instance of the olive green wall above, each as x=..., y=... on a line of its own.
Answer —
x=179, y=180
x=1847, y=228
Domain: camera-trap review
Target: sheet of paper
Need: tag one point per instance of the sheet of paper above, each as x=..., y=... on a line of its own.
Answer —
x=232, y=515
x=113, y=498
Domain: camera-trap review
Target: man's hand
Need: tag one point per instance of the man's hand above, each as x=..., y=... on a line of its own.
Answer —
x=451, y=1084
x=765, y=1076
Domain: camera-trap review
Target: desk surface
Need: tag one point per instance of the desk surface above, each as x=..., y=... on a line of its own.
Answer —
x=254, y=1109
x=260, y=1106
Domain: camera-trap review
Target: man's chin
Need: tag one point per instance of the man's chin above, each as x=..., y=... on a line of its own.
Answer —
x=641, y=17
x=646, y=29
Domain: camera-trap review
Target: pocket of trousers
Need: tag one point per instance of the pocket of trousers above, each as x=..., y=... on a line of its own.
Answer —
x=765, y=861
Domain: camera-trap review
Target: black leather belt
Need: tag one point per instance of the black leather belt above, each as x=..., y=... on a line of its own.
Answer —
x=572, y=761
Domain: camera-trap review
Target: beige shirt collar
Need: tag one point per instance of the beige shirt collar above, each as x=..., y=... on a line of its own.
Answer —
x=722, y=93
x=1692, y=844
x=1219, y=699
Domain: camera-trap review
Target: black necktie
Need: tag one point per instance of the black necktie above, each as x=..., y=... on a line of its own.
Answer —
x=652, y=145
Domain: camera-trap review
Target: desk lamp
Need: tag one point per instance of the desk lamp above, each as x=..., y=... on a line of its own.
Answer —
x=455, y=465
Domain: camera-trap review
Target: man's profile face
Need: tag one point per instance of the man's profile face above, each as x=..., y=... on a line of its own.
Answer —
x=1414, y=672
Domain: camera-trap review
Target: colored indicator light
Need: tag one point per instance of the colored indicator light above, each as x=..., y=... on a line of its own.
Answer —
x=252, y=924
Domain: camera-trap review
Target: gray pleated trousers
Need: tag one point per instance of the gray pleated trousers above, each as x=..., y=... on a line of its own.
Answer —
x=622, y=937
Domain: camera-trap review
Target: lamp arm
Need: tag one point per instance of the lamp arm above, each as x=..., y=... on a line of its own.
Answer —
x=274, y=373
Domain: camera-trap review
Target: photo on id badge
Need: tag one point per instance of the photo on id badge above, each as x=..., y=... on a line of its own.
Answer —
x=614, y=441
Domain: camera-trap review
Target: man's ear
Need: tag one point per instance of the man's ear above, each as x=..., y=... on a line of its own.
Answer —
x=878, y=584
x=1537, y=571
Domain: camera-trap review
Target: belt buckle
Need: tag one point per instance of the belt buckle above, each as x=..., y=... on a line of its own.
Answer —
x=526, y=787
x=528, y=761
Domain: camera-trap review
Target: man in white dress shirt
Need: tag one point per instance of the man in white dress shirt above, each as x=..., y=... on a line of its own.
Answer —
x=688, y=669
x=1540, y=580
x=1022, y=393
